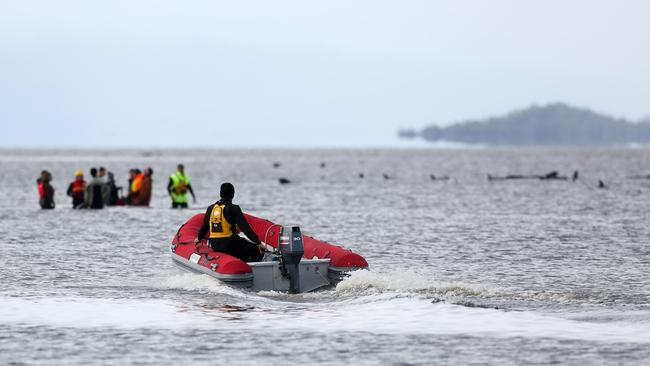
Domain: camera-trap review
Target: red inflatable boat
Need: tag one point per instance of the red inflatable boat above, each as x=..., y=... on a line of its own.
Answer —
x=318, y=263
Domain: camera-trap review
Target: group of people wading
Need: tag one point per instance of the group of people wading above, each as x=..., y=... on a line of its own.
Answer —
x=101, y=190
x=222, y=221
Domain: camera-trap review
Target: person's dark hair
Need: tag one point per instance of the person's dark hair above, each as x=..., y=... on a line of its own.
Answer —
x=137, y=171
x=227, y=191
x=180, y=166
x=93, y=172
x=102, y=169
x=148, y=171
x=46, y=175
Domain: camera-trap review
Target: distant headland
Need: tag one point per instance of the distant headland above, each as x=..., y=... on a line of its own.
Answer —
x=553, y=124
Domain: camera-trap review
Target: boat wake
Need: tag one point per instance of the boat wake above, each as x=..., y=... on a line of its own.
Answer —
x=409, y=281
x=367, y=303
x=193, y=282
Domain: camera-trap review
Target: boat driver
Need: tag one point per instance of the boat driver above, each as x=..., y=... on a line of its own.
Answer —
x=221, y=221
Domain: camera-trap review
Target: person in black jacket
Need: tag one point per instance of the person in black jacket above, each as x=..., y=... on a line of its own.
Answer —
x=221, y=222
x=111, y=192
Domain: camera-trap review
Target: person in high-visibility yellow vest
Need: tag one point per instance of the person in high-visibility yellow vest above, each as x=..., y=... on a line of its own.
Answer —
x=220, y=224
x=179, y=185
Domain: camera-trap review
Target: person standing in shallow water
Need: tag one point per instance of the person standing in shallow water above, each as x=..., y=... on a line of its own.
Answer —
x=93, y=195
x=77, y=189
x=113, y=191
x=221, y=221
x=143, y=196
x=179, y=185
x=147, y=182
x=45, y=190
x=135, y=185
x=106, y=190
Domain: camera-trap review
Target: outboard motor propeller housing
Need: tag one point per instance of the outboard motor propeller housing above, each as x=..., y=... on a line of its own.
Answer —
x=291, y=248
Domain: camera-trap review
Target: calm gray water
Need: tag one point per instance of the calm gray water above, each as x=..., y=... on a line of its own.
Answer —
x=463, y=271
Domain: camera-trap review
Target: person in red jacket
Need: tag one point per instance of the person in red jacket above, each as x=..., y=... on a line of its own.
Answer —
x=77, y=189
x=45, y=190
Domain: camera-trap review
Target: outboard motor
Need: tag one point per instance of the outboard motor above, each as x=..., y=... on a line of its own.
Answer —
x=291, y=249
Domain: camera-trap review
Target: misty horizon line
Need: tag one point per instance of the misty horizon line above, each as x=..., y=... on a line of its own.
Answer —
x=438, y=145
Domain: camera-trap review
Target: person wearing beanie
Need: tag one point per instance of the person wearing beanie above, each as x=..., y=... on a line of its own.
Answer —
x=220, y=223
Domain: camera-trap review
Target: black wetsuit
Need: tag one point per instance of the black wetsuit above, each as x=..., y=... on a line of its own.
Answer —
x=113, y=193
x=234, y=245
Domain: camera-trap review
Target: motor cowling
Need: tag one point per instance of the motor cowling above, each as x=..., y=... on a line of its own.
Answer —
x=292, y=248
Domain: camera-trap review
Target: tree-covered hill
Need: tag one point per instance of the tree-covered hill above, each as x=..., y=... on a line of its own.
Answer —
x=554, y=124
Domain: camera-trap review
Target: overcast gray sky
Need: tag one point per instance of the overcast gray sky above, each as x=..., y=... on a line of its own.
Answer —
x=304, y=73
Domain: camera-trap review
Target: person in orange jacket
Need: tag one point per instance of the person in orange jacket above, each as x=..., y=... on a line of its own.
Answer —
x=135, y=185
x=77, y=189
x=142, y=196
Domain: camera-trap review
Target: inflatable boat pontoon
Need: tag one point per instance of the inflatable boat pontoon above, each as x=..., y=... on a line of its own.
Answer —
x=293, y=262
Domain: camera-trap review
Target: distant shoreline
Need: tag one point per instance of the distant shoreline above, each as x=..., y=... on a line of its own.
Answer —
x=551, y=125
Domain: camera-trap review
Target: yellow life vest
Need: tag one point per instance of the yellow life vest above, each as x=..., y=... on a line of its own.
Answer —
x=219, y=226
x=179, y=187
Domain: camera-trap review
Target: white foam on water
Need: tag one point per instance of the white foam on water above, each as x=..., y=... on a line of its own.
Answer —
x=384, y=313
x=95, y=312
x=406, y=281
x=399, y=314
x=389, y=303
x=205, y=284
x=192, y=282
